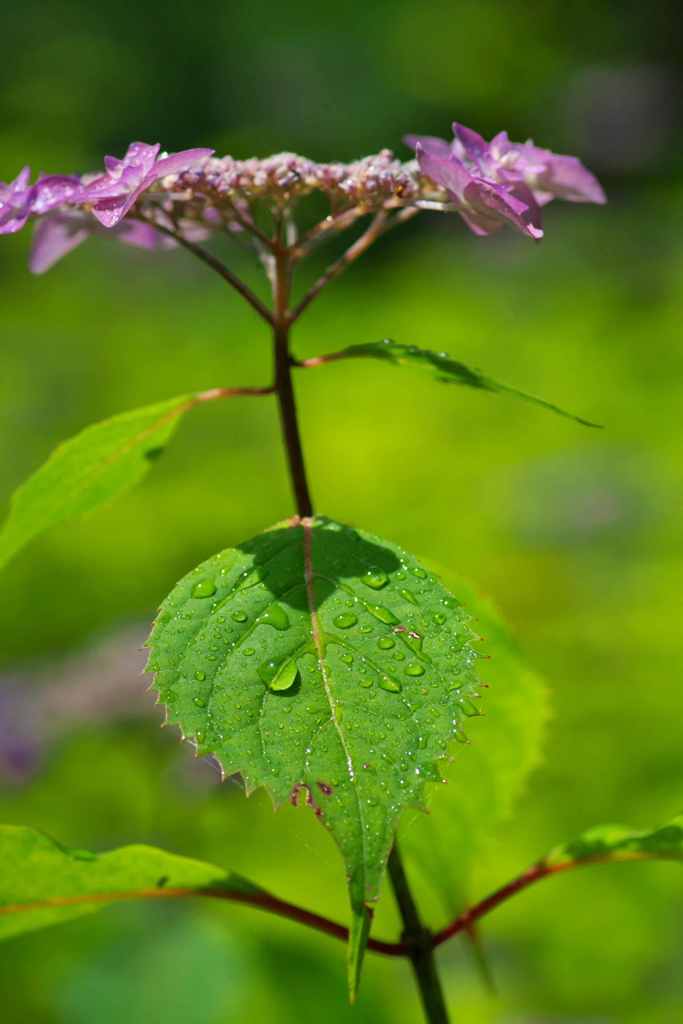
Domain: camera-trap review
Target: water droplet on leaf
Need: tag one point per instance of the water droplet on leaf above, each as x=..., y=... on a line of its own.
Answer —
x=375, y=579
x=205, y=588
x=345, y=620
x=275, y=616
x=239, y=616
x=383, y=614
x=385, y=643
x=415, y=669
x=200, y=676
x=389, y=684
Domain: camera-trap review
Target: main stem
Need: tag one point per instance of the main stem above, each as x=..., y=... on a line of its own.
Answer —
x=420, y=941
x=415, y=935
x=283, y=383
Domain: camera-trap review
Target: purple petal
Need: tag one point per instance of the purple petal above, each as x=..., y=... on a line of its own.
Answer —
x=55, y=236
x=177, y=162
x=143, y=236
x=429, y=144
x=567, y=178
x=491, y=204
x=474, y=146
x=57, y=190
x=446, y=171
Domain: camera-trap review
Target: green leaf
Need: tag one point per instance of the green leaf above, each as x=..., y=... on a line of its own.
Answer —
x=444, y=369
x=487, y=776
x=620, y=843
x=89, y=469
x=43, y=883
x=327, y=666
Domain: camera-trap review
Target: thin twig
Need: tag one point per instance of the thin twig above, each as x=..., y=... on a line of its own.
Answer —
x=372, y=232
x=217, y=266
x=214, y=393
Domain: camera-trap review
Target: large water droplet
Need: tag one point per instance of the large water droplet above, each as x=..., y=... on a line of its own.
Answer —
x=383, y=614
x=285, y=677
x=205, y=588
x=200, y=676
x=248, y=651
x=385, y=643
x=239, y=616
x=345, y=620
x=375, y=579
x=415, y=669
x=275, y=616
x=389, y=684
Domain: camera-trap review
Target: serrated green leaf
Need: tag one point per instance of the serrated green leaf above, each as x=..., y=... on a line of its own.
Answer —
x=487, y=776
x=43, y=883
x=89, y=469
x=327, y=666
x=620, y=843
x=445, y=369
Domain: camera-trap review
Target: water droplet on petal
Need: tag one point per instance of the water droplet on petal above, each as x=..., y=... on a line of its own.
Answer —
x=345, y=620
x=383, y=614
x=205, y=588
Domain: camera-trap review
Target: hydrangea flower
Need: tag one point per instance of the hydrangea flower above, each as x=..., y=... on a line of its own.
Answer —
x=491, y=183
x=16, y=201
x=114, y=193
x=150, y=200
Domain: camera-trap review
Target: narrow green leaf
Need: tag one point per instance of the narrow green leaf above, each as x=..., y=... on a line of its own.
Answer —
x=487, y=776
x=43, y=883
x=327, y=666
x=444, y=369
x=620, y=843
x=89, y=469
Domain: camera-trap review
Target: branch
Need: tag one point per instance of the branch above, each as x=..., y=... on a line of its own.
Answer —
x=215, y=264
x=363, y=242
x=542, y=869
x=213, y=393
x=261, y=901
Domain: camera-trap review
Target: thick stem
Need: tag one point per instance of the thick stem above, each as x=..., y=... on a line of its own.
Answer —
x=283, y=384
x=419, y=941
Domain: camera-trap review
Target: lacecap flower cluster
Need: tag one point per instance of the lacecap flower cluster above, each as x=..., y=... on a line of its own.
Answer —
x=193, y=194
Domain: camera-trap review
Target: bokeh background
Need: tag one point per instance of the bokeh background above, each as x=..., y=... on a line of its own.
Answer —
x=576, y=534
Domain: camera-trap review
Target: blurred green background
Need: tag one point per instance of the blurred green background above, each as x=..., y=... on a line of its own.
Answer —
x=575, y=534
